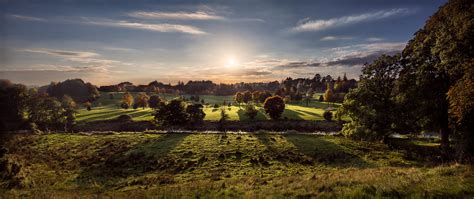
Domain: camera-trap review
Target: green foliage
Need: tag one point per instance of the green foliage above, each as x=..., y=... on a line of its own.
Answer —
x=13, y=104
x=154, y=101
x=246, y=97
x=195, y=112
x=250, y=111
x=172, y=113
x=77, y=89
x=46, y=112
x=141, y=100
x=370, y=106
x=274, y=107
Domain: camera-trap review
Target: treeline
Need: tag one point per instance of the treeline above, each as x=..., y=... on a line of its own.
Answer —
x=48, y=108
x=288, y=86
x=429, y=87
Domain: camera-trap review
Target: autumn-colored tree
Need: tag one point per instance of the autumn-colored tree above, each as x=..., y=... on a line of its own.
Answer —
x=247, y=97
x=127, y=99
x=256, y=96
x=141, y=100
x=329, y=94
x=274, y=107
x=239, y=98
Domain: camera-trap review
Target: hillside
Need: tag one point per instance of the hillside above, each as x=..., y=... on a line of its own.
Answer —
x=137, y=165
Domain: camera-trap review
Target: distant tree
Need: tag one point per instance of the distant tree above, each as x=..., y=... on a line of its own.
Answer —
x=256, y=96
x=77, y=89
x=250, y=111
x=329, y=94
x=224, y=103
x=124, y=105
x=274, y=107
x=321, y=98
x=127, y=98
x=309, y=96
x=172, y=113
x=154, y=101
x=263, y=96
x=88, y=105
x=239, y=98
x=224, y=116
x=111, y=96
x=247, y=97
x=202, y=101
x=327, y=115
x=195, y=112
x=141, y=100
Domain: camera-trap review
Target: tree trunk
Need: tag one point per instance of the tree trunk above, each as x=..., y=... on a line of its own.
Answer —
x=444, y=134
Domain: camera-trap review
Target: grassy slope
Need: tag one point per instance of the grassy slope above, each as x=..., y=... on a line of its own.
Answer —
x=106, y=108
x=211, y=165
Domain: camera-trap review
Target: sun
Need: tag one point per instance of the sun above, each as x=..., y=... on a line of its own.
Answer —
x=230, y=62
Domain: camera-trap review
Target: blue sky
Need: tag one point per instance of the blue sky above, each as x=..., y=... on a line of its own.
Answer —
x=106, y=42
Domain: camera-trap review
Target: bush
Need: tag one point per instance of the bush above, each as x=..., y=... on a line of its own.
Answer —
x=124, y=118
x=196, y=115
x=172, y=113
x=274, y=107
x=124, y=105
x=327, y=115
x=250, y=111
x=154, y=101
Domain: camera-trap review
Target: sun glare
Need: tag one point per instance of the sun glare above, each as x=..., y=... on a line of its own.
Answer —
x=230, y=62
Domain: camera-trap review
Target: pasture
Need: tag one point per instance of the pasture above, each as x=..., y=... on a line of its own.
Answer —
x=106, y=108
x=264, y=164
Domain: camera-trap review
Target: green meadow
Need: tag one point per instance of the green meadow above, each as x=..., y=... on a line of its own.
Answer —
x=106, y=108
x=258, y=165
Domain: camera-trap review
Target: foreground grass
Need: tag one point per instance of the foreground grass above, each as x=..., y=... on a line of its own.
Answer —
x=105, y=108
x=136, y=165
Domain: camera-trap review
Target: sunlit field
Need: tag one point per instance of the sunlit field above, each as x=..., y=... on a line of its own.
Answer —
x=137, y=165
x=105, y=108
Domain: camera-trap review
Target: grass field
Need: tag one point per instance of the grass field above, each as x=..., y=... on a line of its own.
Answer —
x=106, y=108
x=138, y=165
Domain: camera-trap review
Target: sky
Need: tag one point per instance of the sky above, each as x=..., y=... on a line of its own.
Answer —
x=107, y=42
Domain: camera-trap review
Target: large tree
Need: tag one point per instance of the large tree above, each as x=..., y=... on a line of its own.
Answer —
x=370, y=105
x=437, y=60
x=13, y=98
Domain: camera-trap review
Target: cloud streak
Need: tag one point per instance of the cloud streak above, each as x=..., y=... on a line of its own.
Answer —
x=61, y=53
x=26, y=18
x=176, y=15
x=156, y=27
x=322, y=24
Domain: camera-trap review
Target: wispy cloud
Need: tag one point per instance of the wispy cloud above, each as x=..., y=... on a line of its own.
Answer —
x=199, y=15
x=84, y=61
x=333, y=38
x=349, y=56
x=62, y=53
x=119, y=49
x=373, y=39
x=321, y=24
x=25, y=18
x=157, y=27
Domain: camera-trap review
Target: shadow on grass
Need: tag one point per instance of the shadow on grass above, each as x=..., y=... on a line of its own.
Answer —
x=117, y=160
x=101, y=116
x=291, y=114
x=325, y=152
